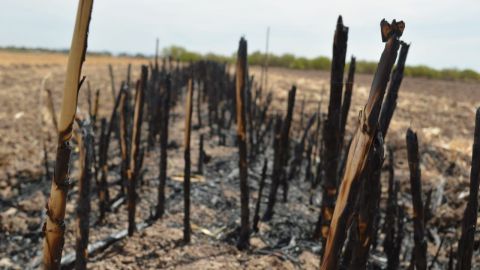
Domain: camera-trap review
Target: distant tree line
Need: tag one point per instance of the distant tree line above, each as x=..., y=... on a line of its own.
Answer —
x=286, y=60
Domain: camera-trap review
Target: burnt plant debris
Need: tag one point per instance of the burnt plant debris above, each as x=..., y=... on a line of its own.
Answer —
x=267, y=171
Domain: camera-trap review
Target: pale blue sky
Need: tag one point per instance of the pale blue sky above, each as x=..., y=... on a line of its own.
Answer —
x=443, y=33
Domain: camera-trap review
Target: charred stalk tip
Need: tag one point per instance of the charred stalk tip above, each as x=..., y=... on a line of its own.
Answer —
x=340, y=25
x=412, y=137
x=420, y=247
x=340, y=20
x=353, y=62
x=391, y=29
x=242, y=50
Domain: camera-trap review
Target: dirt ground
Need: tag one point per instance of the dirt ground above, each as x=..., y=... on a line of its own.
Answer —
x=442, y=113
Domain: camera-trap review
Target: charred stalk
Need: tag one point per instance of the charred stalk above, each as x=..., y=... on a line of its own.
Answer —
x=186, y=180
x=134, y=169
x=241, y=77
x=358, y=152
x=285, y=141
x=331, y=132
x=419, y=255
x=163, y=147
x=86, y=143
x=124, y=138
x=390, y=103
x=466, y=243
x=347, y=99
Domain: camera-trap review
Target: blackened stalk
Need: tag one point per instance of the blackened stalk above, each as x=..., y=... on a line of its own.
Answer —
x=45, y=157
x=163, y=147
x=347, y=99
x=124, y=138
x=186, y=155
x=465, y=245
x=285, y=141
x=391, y=245
x=368, y=206
x=390, y=103
x=241, y=77
x=201, y=155
x=86, y=145
x=370, y=194
x=420, y=249
x=102, y=186
x=331, y=132
x=134, y=169
x=358, y=152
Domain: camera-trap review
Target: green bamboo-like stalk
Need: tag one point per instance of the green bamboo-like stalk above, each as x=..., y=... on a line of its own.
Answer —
x=55, y=227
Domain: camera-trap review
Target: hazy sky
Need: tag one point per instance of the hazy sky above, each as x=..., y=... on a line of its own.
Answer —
x=442, y=33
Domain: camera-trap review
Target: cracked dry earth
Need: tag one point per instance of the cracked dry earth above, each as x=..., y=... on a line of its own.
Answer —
x=442, y=112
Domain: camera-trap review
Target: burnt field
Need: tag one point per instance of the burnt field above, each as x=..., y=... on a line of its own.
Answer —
x=209, y=165
x=441, y=111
